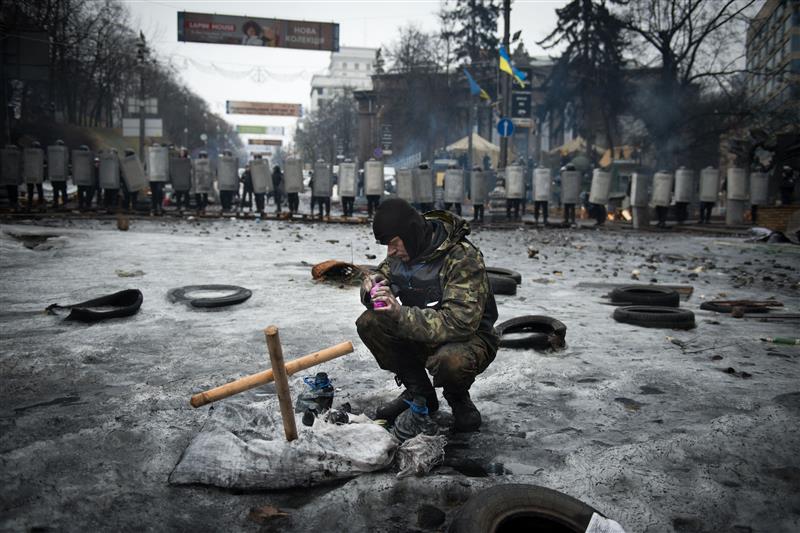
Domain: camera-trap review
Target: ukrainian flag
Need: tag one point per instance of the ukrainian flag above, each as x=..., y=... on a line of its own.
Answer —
x=507, y=67
x=474, y=88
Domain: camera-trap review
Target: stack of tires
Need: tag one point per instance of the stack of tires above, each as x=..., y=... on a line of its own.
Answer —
x=651, y=306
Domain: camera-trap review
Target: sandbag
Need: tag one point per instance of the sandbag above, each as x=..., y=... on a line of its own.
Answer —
x=242, y=445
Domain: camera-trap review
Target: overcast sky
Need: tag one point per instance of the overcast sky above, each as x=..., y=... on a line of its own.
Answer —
x=224, y=72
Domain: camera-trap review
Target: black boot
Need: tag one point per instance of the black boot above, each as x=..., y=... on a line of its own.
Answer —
x=417, y=384
x=466, y=415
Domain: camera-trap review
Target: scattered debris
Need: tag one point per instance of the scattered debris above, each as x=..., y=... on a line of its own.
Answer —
x=338, y=272
x=129, y=273
x=781, y=340
x=628, y=404
x=532, y=253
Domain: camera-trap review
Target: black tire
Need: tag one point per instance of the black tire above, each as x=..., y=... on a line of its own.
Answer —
x=724, y=306
x=239, y=295
x=497, y=271
x=518, y=507
x=646, y=295
x=545, y=332
x=502, y=285
x=655, y=317
x=122, y=304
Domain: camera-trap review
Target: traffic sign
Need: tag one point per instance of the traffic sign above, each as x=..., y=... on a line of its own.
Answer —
x=505, y=127
x=520, y=104
x=378, y=153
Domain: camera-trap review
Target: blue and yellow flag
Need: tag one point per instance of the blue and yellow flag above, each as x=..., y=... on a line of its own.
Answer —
x=509, y=68
x=474, y=88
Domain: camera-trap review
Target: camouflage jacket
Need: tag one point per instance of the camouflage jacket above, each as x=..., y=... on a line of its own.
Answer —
x=459, y=300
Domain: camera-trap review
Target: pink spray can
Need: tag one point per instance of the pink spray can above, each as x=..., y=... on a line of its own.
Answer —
x=376, y=304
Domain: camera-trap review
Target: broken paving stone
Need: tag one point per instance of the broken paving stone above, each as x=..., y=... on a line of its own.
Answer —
x=370, y=256
x=648, y=389
x=628, y=404
x=716, y=358
x=733, y=372
x=264, y=514
x=332, y=241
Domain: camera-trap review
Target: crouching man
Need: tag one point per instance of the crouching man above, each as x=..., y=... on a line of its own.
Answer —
x=434, y=311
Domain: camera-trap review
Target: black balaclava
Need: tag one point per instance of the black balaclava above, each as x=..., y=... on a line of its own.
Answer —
x=396, y=218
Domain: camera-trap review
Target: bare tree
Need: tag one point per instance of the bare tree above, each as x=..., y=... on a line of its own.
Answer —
x=690, y=43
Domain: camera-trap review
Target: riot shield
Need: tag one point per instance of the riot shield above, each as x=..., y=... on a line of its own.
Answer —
x=57, y=162
x=684, y=185
x=373, y=178
x=405, y=185
x=515, y=182
x=157, y=163
x=709, y=184
x=228, y=173
x=423, y=185
x=109, y=170
x=454, y=185
x=11, y=169
x=570, y=186
x=662, y=189
x=133, y=173
x=348, y=179
x=541, y=184
x=322, y=180
x=293, y=174
x=601, y=186
x=180, y=173
x=478, y=187
x=737, y=184
x=82, y=168
x=261, y=175
x=33, y=165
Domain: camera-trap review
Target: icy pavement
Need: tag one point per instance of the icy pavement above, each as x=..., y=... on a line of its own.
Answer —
x=655, y=435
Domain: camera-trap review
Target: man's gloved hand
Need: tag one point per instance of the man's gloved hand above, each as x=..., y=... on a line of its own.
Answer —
x=366, y=287
x=384, y=294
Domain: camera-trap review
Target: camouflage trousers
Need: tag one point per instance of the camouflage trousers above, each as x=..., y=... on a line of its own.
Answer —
x=452, y=365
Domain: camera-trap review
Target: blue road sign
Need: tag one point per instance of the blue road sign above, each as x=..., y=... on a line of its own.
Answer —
x=505, y=127
x=377, y=153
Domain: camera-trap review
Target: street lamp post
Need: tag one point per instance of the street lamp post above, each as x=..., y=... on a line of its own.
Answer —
x=141, y=56
x=505, y=83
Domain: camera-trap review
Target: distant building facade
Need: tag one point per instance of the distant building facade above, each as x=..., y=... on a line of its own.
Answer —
x=350, y=68
x=773, y=53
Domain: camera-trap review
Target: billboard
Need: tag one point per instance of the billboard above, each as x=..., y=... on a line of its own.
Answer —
x=235, y=107
x=259, y=130
x=266, y=142
x=251, y=31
